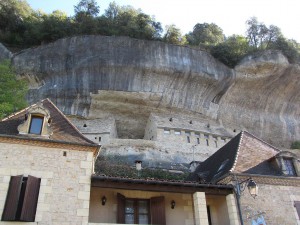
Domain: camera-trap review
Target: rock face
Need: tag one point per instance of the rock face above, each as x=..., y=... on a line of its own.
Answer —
x=96, y=76
x=4, y=53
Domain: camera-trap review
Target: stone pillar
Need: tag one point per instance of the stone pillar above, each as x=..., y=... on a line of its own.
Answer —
x=200, y=208
x=232, y=210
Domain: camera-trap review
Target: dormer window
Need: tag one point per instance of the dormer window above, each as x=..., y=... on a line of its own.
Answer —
x=287, y=162
x=36, y=124
x=289, y=167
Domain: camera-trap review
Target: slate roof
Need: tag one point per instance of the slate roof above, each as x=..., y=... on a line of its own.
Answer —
x=63, y=130
x=244, y=153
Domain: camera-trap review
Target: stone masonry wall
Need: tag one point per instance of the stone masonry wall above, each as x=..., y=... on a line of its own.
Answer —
x=65, y=181
x=276, y=203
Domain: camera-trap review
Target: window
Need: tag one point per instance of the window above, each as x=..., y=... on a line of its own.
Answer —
x=188, y=133
x=141, y=211
x=166, y=131
x=198, y=141
x=36, y=124
x=289, y=167
x=137, y=211
x=177, y=132
x=21, y=200
x=188, y=139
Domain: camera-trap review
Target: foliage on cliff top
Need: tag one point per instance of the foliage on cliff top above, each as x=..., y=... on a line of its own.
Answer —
x=295, y=145
x=12, y=90
x=22, y=27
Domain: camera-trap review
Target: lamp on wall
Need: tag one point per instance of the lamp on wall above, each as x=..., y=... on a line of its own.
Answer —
x=239, y=187
x=173, y=203
x=103, y=200
x=253, y=188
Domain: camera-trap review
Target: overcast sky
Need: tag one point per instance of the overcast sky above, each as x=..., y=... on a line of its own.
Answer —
x=230, y=15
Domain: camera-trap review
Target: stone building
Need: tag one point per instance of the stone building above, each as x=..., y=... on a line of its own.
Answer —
x=52, y=174
x=100, y=130
x=276, y=173
x=45, y=168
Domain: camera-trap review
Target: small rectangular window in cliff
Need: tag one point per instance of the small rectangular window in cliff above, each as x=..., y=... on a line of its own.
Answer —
x=166, y=131
x=177, y=132
x=188, y=133
x=198, y=141
x=21, y=199
x=188, y=139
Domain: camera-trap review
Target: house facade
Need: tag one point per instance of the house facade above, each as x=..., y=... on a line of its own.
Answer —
x=45, y=168
x=50, y=173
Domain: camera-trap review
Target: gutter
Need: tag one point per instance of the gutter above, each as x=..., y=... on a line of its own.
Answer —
x=160, y=182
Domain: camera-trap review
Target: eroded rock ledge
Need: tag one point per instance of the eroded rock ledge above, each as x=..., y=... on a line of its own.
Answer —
x=96, y=76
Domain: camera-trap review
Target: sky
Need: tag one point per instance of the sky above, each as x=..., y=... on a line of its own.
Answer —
x=230, y=15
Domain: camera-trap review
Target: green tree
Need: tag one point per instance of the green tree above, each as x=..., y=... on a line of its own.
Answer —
x=54, y=26
x=173, y=35
x=232, y=50
x=86, y=8
x=12, y=16
x=205, y=34
x=290, y=48
x=12, y=90
x=259, y=35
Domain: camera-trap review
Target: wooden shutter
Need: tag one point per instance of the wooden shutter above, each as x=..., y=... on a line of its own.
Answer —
x=12, y=198
x=121, y=208
x=157, y=210
x=297, y=206
x=30, y=199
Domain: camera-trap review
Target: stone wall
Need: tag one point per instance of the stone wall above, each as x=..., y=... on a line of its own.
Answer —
x=155, y=154
x=65, y=181
x=275, y=203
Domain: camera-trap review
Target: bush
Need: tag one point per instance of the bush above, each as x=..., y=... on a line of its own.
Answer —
x=295, y=145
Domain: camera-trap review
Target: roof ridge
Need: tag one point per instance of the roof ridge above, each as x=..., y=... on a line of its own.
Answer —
x=68, y=121
x=237, y=152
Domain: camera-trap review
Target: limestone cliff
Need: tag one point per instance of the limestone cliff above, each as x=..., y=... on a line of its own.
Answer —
x=96, y=76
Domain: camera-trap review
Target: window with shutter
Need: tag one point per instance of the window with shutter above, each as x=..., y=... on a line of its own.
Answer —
x=21, y=199
x=297, y=206
x=141, y=211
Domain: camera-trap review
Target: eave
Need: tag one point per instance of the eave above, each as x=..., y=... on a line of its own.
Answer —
x=160, y=185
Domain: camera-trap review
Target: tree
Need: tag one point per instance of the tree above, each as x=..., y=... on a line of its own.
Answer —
x=290, y=48
x=86, y=8
x=12, y=90
x=232, y=50
x=54, y=26
x=259, y=35
x=205, y=34
x=173, y=35
x=12, y=16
